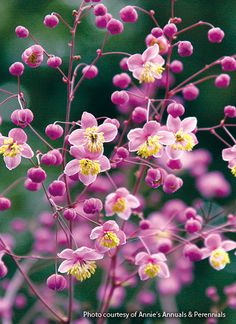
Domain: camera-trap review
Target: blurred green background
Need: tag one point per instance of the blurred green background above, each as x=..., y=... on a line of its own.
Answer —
x=47, y=99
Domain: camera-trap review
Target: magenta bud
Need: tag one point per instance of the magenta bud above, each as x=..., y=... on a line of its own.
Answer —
x=190, y=92
x=92, y=206
x=70, y=214
x=17, y=69
x=192, y=252
x=228, y=63
x=175, y=110
x=155, y=177
x=139, y=115
x=51, y=21
x=56, y=282
x=5, y=203
x=190, y=213
x=222, y=81
x=37, y=175
x=102, y=21
x=122, y=153
x=119, y=97
x=123, y=64
x=90, y=71
x=53, y=157
x=144, y=224
x=157, y=32
x=115, y=26
x=176, y=66
x=165, y=245
x=100, y=10
x=22, y=117
x=172, y=183
x=230, y=111
x=175, y=164
x=192, y=226
x=54, y=131
x=54, y=62
x=121, y=80
x=32, y=186
x=185, y=48
x=215, y=35
x=21, y=32
x=170, y=29
x=57, y=188
x=128, y=14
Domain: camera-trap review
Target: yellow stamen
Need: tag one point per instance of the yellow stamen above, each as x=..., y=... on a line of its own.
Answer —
x=152, y=270
x=150, y=147
x=119, y=205
x=32, y=58
x=89, y=167
x=10, y=148
x=83, y=271
x=184, y=141
x=110, y=240
x=233, y=170
x=219, y=258
x=150, y=72
x=94, y=139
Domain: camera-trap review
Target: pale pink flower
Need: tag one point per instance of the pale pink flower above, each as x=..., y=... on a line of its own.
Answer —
x=151, y=265
x=79, y=263
x=121, y=203
x=229, y=155
x=14, y=147
x=216, y=250
x=92, y=136
x=87, y=165
x=147, y=67
x=108, y=236
x=149, y=140
x=185, y=140
x=33, y=56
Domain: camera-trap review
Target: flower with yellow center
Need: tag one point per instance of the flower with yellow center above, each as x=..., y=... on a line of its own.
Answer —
x=150, y=147
x=83, y=271
x=10, y=148
x=110, y=240
x=152, y=270
x=183, y=141
x=119, y=206
x=89, y=167
x=94, y=139
x=150, y=72
x=219, y=259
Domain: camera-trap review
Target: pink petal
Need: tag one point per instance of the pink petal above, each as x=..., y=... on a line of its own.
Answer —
x=65, y=266
x=141, y=258
x=96, y=232
x=66, y=254
x=78, y=152
x=87, y=179
x=150, y=53
x=134, y=62
x=164, y=270
x=93, y=255
x=104, y=163
x=137, y=73
x=122, y=237
x=76, y=137
x=72, y=167
x=228, y=154
x=27, y=151
x=122, y=192
x=213, y=241
x=141, y=272
x=136, y=138
x=132, y=201
x=111, y=226
x=205, y=253
x=173, y=154
x=125, y=214
x=88, y=120
x=228, y=245
x=158, y=60
x=151, y=128
x=159, y=257
x=173, y=124
x=109, y=131
x=166, y=137
x=18, y=135
x=189, y=124
x=12, y=162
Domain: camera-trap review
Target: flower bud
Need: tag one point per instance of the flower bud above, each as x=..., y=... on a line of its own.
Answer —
x=121, y=80
x=192, y=226
x=123, y=64
x=32, y=186
x=215, y=35
x=119, y=97
x=139, y=115
x=157, y=32
x=172, y=183
x=185, y=48
x=222, y=81
x=22, y=117
x=56, y=282
x=70, y=214
x=92, y=206
x=21, y=32
x=102, y=21
x=176, y=66
x=54, y=131
x=54, y=62
x=100, y=10
x=192, y=252
x=190, y=92
x=5, y=203
x=155, y=177
x=228, y=63
x=57, y=188
x=115, y=26
x=37, y=175
x=90, y=71
x=230, y=111
x=17, y=69
x=175, y=110
x=170, y=29
x=51, y=21
x=128, y=14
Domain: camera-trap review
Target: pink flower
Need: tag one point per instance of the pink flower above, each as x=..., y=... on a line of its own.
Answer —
x=216, y=250
x=151, y=266
x=108, y=236
x=185, y=140
x=121, y=203
x=86, y=165
x=33, y=56
x=14, y=147
x=79, y=263
x=229, y=155
x=92, y=136
x=148, y=140
x=148, y=66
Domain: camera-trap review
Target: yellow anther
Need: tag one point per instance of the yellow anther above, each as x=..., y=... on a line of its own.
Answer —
x=233, y=170
x=150, y=147
x=119, y=205
x=32, y=58
x=219, y=258
x=184, y=142
x=94, y=139
x=150, y=72
x=152, y=270
x=10, y=148
x=83, y=271
x=110, y=240
x=89, y=167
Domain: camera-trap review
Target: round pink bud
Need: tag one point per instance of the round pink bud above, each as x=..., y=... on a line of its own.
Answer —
x=176, y=66
x=192, y=252
x=122, y=153
x=190, y=92
x=190, y=213
x=54, y=131
x=102, y=21
x=119, y=97
x=155, y=177
x=3, y=269
x=123, y=64
x=172, y=183
x=193, y=226
x=17, y=69
x=21, y=32
x=145, y=224
x=139, y=115
x=165, y=244
x=22, y=117
x=20, y=301
x=100, y=10
x=228, y=63
x=230, y=111
x=57, y=188
x=54, y=62
x=70, y=214
x=222, y=81
x=215, y=35
x=113, y=121
x=175, y=110
x=121, y=80
x=37, y=175
x=115, y=26
x=90, y=71
x=128, y=14
x=5, y=203
x=157, y=32
x=33, y=56
x=51, y=21
x=175, y=164
x=32, y=186
x=170, y=29
x=56, y=282
x=53, y=157
x=185, y=48
x=92, y=206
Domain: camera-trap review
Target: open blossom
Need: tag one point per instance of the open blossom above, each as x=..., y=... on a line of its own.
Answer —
x=14, y=147
x=229, y=155
x=121, y=203
x=185, y=140
x=148, y=66
x=33, y=56
x=216, y=250
x=108, y=236
x=151, y=266
x=92, y=136
x=149, y=140
x=87, y=165
x=79, y=263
